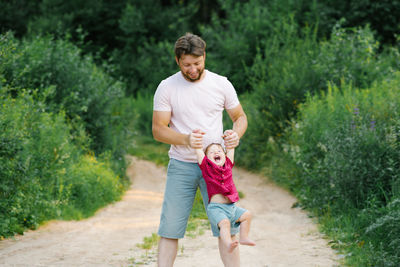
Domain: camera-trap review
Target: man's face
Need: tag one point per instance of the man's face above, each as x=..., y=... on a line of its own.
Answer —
x=192, y=67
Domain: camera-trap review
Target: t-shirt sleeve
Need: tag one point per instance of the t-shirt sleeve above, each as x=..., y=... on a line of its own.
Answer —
x=161, y=98
x=231, y=98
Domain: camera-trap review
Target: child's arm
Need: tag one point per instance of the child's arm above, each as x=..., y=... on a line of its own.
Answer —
x=230, y=153
x=196, y=138
x=200, y=155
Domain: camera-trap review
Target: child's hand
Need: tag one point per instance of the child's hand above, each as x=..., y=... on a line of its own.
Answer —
x=196, y=139
x=231, y=139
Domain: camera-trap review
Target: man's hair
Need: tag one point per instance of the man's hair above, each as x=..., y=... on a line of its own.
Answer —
x=190, y=44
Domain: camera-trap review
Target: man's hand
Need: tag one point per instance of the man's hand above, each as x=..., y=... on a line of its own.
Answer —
x=196, y=139
x=231, y=139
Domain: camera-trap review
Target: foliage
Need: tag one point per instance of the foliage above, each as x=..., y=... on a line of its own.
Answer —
x=382, y=16
x=90, y=183
x=44, y=172
x=285, y=71
x=351, y=54
x=147, y=54
x=80, y=88
x=74, y=84
x=280, y=76
x=15, y=15
x=344, y=148
x=234, y=40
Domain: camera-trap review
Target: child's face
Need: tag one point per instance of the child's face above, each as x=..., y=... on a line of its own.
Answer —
x=216, y=154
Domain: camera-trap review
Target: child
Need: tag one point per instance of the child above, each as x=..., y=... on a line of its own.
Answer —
x=216, y=167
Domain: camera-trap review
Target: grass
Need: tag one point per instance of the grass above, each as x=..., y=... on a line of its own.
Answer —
x=145, y=147
x=149, y=242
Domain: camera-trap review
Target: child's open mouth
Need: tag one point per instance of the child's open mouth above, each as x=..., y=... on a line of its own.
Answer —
x=217, y=158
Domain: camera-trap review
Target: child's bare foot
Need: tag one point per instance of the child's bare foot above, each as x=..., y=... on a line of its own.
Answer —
x=247, y=242
x=232, y=246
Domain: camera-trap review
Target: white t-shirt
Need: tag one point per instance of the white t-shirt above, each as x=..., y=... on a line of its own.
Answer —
x=195, y=105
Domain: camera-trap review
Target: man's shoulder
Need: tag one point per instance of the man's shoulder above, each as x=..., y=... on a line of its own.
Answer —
x=213, y=75
x=219, y=80
x=171, y=79
x=168, y=84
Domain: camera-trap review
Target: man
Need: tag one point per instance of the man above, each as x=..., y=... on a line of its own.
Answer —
x=188, y=110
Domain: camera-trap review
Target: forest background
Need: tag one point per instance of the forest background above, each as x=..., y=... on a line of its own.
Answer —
x=319, y=81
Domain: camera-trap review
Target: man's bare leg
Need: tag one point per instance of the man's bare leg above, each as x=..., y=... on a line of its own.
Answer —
x=245, y=221
x=230, y=259
x=167, y=250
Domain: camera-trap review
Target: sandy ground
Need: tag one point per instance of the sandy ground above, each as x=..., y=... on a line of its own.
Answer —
x=285, y=236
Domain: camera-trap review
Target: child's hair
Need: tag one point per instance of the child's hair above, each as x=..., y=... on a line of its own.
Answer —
x=218, y=144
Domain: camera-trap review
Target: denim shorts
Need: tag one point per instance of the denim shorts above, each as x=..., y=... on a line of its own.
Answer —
x=216, y=212
x=183, y=179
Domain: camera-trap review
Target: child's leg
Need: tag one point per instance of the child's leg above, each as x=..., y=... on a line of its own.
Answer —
x=245, y=221
x=225, y=235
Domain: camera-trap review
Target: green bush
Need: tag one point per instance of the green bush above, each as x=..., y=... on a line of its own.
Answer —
x=147, y=54
x=234, y=39
x=344, y=153
x=350, y=54
x=350, y=135
x=81, y=88
x=279, y=77
x=88, y=185
x=381, y=16
x=293, y=64
x=43, y=172
x=385, y=231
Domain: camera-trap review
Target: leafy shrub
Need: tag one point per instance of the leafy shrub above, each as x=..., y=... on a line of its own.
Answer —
x=280, y=77
x=34, y=145
x=154, y=62
x=292, y=65
x=353, y=133
x=234, y=39
x=380, y=15
x=148, y=39
x=89, y=185
x=43, y=173
x=344, y=149
x=350, y=55
x=385, y=231
x=82, y=89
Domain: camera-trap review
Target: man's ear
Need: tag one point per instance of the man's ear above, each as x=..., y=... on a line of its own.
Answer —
x=177, y=60
x=204, y=55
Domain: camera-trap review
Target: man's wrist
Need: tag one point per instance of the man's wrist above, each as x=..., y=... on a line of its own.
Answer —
x=187, y=140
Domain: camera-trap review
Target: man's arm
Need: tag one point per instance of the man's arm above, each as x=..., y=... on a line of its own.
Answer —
x=239, y=119
x=163, y=133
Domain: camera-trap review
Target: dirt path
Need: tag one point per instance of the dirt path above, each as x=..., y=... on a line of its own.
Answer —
x=284, y=236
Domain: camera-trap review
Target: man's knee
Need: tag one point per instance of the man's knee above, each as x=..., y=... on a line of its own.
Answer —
x=168, y=241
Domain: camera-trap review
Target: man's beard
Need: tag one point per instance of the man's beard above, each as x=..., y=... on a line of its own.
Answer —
x=187, y=76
